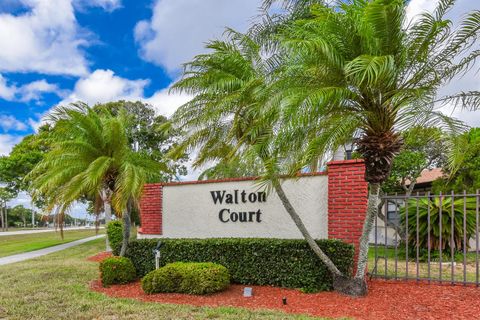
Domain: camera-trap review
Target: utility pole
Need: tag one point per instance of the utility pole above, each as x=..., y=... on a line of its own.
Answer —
x=6, y=215
x=1, y=216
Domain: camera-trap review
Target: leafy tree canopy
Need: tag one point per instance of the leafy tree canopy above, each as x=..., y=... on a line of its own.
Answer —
x=23, y=157
x=424, y=148
x=466, y=175
x=19, y=214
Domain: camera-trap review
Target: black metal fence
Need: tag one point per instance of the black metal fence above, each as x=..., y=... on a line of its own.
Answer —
x=432, y=237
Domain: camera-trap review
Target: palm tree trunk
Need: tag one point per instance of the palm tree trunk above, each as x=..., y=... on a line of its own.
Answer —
x=299, y=223
x=372, y=209
x=108, y=218
x=126, y=229
x=107, y=207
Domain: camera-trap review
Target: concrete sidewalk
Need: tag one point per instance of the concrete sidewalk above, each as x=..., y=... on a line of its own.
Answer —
x=14, y=233
x=38, y=253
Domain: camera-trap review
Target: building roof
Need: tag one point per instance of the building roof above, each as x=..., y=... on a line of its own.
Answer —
x=429, y=175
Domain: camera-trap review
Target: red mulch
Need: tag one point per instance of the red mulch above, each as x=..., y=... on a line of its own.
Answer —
x=386, y=300
x=100, y=256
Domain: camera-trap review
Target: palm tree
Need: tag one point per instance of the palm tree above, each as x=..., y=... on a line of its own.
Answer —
x=360, y=70
x=230, y=119
x=91, y=157
x=339, y=71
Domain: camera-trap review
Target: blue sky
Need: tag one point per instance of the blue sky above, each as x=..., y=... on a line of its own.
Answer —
x=60, y=51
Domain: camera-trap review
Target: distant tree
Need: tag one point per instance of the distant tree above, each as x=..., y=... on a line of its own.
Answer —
x=21, y=160
x=6, y=194
x=423, y=148
x=463, y=170
x=20, y=214
x=232, y=169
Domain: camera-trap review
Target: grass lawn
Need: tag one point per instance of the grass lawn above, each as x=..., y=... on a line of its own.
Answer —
x=29, y=242
x=56, y=287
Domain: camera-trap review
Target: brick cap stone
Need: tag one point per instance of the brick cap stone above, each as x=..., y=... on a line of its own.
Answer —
x=345, y=162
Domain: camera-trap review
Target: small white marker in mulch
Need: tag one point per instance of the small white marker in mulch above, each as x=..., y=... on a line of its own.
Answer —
x=247, y=292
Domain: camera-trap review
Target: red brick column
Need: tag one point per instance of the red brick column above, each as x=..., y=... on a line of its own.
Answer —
x=347, y=200
x=151, y=209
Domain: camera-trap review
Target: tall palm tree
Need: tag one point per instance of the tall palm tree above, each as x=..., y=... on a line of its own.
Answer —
x=355, y=69
x=359, y=69
x=91, y=157
x=230, y=119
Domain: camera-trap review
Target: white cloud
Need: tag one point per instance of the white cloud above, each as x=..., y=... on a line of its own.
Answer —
x=27, y=92
x=7, y=92
x=107, y=5
x=23, y=199
x=167, y=103
x=7, y=141
x=35, y=89
x=45, y=39
x=103, y=86
x=35, y=124
x=8, y=123
x=416, y=7
x=179, y=29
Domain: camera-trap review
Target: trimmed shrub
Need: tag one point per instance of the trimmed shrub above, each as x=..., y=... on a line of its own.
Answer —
x=187, y=277
x=277, y=262
x=115, y=235
x=117, y=270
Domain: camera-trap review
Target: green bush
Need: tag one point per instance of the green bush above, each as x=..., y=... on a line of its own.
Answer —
x=277, y=262
x=115, y=235
x=187, y=277
x=117, y=270
x=432, y=209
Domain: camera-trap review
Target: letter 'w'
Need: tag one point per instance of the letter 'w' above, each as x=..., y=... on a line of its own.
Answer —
x=217, y=196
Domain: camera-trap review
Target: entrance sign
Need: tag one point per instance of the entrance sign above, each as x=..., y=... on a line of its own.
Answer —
x=332, y=204
x=242, y=209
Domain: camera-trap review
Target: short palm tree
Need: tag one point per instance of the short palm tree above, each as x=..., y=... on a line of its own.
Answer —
x=358, y=69
x=90, y=157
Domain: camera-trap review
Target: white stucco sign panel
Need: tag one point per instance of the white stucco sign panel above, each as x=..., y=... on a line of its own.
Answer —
x=241, y=209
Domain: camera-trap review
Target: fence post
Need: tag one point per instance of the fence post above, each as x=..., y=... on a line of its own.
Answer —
x=347, y=201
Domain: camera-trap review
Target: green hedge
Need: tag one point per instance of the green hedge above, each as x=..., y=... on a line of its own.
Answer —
x=117, y=270
x=187, y=277
x=278, y=262
x=115, y=235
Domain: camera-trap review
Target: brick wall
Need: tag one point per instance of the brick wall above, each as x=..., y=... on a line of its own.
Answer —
x=151, y=209
x=347, y=200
